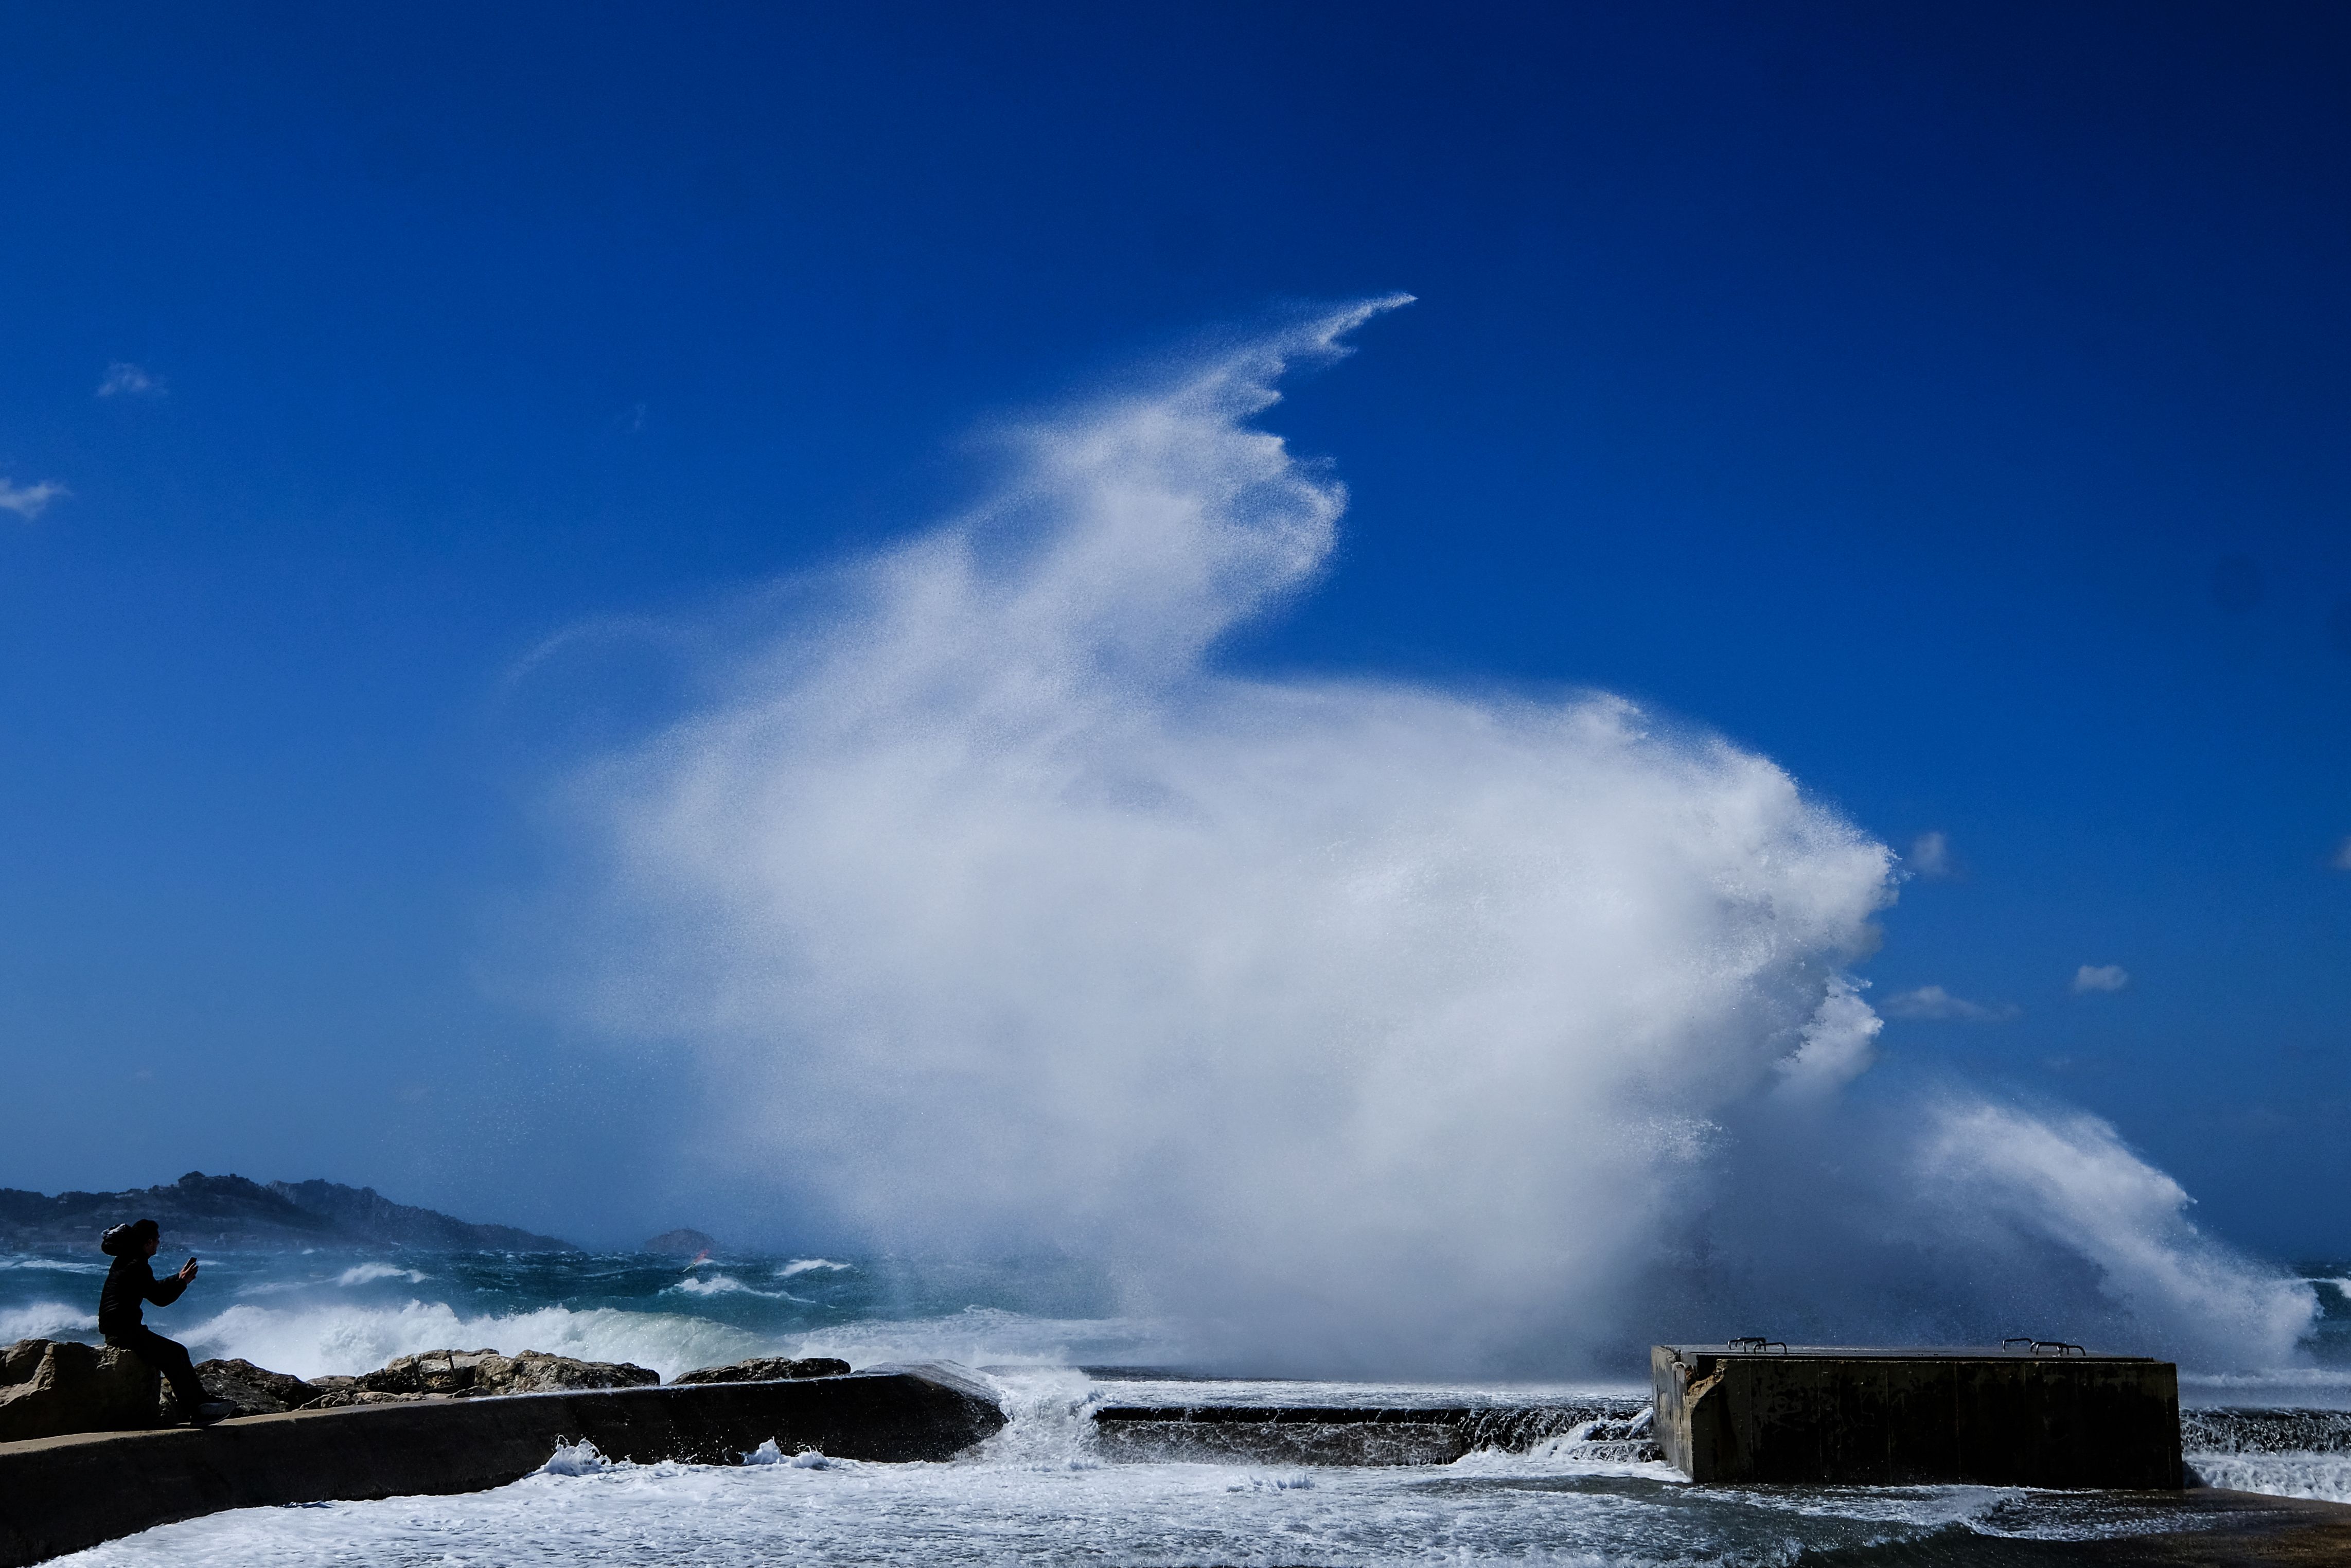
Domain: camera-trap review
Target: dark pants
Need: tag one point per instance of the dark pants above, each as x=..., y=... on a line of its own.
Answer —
x=168, y=1357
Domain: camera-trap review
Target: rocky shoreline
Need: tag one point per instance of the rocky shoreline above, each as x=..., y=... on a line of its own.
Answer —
x=54, y=1387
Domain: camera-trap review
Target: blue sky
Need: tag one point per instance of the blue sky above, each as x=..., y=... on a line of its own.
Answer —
x=1952, y=407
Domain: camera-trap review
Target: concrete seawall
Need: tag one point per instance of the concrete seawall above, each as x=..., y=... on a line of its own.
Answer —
x=61, y=1494
x=1364, y=1434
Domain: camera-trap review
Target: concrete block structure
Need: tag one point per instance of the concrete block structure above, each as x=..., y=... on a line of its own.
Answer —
x=2026, y=1414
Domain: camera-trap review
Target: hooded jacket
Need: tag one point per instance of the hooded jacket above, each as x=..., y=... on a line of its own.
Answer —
x=128, y=1283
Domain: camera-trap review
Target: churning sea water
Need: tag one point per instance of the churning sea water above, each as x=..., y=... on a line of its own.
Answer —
x=1046, y=1489
x=322, y=1312
x=1038, y=1495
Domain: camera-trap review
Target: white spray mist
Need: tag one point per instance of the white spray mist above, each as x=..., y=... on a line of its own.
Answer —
x=1359, y=1025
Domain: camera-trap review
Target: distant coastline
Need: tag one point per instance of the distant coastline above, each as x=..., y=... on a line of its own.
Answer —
x=233, y=1212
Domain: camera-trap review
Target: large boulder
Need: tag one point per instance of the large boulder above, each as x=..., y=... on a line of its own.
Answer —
x=473, y=1373
x=767, y=1369
x=49, y=1388
x=252, y=1390
x=335, y=1391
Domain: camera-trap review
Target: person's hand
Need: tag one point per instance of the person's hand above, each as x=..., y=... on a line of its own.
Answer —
x=187, y=1270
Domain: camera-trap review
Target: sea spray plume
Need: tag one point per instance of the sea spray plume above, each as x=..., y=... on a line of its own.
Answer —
x=2069, y=1182
x=1361, y=1024
x=1941, y=1217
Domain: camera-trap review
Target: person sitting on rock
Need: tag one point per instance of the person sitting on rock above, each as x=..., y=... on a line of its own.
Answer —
x=123, y=1320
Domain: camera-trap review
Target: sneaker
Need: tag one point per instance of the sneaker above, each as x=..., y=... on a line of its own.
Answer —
x=210, y=1411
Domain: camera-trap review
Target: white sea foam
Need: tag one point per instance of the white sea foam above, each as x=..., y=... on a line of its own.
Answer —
x=315, y=1341
x=892, y=1515
x=1564, y=1456
x=768, y=1453
x=367, y=1273
x=2326, y=1477
x=806, y=1265
x=581, y=1459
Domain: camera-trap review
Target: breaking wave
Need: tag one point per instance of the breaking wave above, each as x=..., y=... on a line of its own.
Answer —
x=47, y=1319
x=312, y=1342
x=727, y=1285
x=2282, y=1451
x=366, y=1273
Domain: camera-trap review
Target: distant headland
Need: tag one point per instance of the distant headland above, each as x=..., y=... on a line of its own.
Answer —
x=229, y=1211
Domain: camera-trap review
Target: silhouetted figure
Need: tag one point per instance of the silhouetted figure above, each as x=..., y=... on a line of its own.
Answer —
x=123, y=1320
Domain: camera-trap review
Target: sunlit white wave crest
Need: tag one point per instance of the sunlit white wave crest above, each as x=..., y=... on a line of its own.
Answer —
x=725, y=1285
x=1364, y=1026
x=367, y=1273
x=808, y=1265
x=47, y=1319
x=315, y=1341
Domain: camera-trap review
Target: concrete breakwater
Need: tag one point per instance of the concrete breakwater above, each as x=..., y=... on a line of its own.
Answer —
x=1611, y=1431
x=1600, y=1428
x=61, y=1494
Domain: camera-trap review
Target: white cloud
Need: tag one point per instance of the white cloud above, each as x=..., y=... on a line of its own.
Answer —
x=2100, y=977
x=1930, y=855
x=1934, y=1003
x=2342, y=861
x=125, y=379
x=27, y=501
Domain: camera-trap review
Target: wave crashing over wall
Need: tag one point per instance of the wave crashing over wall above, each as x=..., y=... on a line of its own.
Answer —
x=1362, y=1025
